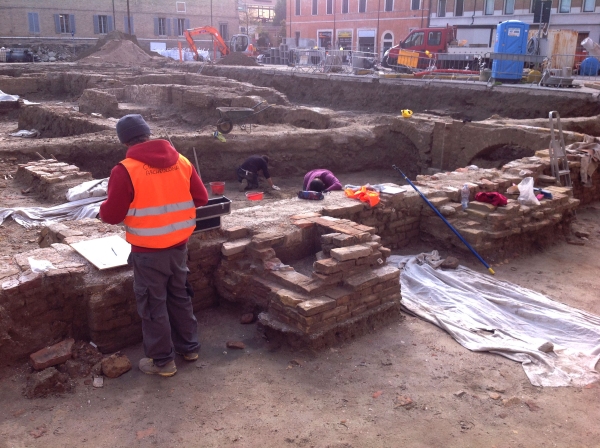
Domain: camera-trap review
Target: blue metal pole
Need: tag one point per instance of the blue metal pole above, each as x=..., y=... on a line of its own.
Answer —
x=445, y=220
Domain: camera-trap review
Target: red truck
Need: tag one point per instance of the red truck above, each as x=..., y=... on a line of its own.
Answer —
x=454, y=47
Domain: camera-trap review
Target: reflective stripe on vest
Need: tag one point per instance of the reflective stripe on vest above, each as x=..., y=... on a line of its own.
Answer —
x=159, y=210
x=162, y=213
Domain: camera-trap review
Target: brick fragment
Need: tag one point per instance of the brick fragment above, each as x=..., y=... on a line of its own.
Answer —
x=306, y=215
x=362, y=280
x=315, y=306
x=235, y=233
x=288, y=298
x=343, y=240
x=328, y=238
x=262, y=254
x=235, y=247
x=53, y=355
x=263, y=240
x=350, y=253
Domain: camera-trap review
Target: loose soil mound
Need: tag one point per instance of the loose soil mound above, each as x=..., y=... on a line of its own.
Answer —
x=238, y=59
x=118, y=52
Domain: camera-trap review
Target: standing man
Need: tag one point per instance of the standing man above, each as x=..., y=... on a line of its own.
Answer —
x=154, y=192
x=249, y=171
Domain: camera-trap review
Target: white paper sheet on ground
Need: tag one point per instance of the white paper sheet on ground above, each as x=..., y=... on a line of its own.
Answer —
x=486, y=314
x=36, y=216
x=104, y=253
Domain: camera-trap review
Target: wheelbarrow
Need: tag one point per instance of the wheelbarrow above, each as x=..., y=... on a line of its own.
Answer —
x=238, y=115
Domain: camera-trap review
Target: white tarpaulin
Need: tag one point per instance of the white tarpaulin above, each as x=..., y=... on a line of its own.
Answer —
x=36, y=216
x=486, y=314
x=84, y=202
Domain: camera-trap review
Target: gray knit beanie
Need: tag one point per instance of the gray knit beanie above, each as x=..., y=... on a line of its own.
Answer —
x=131, y=126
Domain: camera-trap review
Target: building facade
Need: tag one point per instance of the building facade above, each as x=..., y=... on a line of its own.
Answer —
x=582, y=16
x=358, y=25
x=159, y=22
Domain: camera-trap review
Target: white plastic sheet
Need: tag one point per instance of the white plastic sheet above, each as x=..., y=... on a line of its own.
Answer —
x=486, y=314
x=37, y=216
x=90, y=189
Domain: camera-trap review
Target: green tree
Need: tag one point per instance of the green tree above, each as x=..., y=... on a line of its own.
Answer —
x=279, y=9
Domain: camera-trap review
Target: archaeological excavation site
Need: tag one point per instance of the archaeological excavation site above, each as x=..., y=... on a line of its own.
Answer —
x=498, y=179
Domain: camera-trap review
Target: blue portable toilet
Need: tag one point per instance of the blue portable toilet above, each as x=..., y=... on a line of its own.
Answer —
x=511, y=38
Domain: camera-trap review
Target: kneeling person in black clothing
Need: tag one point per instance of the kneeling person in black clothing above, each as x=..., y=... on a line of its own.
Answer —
x=249, y=171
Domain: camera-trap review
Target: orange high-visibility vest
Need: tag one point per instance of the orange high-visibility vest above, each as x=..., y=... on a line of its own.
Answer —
x=162, y=212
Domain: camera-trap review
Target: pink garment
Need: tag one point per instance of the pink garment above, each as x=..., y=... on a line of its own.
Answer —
x=331, y=182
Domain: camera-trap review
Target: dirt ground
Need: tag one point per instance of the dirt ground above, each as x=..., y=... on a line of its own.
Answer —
x=405, y=384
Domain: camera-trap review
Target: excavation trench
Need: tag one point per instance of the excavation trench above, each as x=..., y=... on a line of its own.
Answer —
x=346, y=124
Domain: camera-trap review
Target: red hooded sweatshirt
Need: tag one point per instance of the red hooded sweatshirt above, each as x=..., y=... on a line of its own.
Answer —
x=158, y=154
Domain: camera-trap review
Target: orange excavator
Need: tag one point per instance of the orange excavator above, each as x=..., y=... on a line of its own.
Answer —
x=239, y=43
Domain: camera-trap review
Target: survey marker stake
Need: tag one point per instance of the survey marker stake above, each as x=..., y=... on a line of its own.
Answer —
x=445, y=220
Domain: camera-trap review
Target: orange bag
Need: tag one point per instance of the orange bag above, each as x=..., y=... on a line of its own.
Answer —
x=364, y=195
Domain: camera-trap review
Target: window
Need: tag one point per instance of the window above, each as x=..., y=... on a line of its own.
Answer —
x=362, y=5
x=64, y=23
x=127, y=23
x=589, y=5
x=345, y=7
x=162, y=26
x=389, y=5
x=297, y=38
x=414, y=41
x=314, y=7
x=224, y=30
x=329, y=9
x=103, y=24
x=415, y=5
x=180, y=6
x=297, y=7
x=434, y=38
x=34, y=22
x=489, y=7
x=181, y=25
x=388, y=42
x=509, y=7
x=565, y=6
x=441, y=12
x=459, y=7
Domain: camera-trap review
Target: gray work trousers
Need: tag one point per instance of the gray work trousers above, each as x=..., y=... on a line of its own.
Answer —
x=163, y=303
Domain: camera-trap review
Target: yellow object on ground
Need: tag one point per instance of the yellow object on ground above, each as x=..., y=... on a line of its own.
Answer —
x=406, y=113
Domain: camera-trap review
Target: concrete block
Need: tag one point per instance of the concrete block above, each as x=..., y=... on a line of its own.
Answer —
x=351, y=252
x=315, y=306
x=235, y=247
x=53, y=355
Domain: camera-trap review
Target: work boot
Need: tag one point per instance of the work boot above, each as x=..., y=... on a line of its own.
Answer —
x=242, y=188
x=147, y=366
x=251, y=187
x=191, y=356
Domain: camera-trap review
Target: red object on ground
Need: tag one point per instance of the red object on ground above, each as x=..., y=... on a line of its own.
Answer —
x=217, y=187
x=53, y=355
x=493, y=198
x=254, y=196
